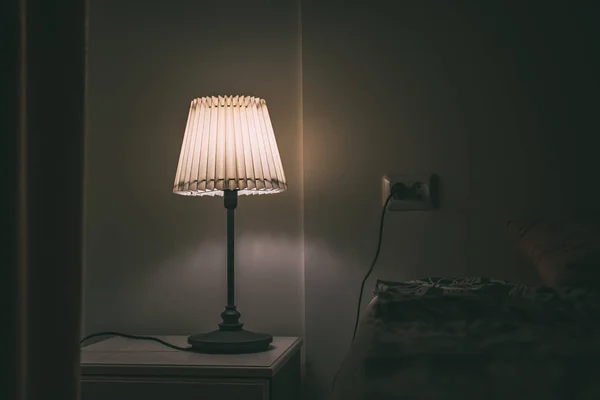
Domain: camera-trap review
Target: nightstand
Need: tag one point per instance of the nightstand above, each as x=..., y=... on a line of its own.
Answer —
x=129, y=369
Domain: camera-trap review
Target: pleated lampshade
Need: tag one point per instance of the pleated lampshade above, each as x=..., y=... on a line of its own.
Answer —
x=229, y=144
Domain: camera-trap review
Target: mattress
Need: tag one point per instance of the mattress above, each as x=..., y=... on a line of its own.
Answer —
x=474, y=338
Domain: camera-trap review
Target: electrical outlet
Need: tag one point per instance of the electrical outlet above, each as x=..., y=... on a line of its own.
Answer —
x=422, y=192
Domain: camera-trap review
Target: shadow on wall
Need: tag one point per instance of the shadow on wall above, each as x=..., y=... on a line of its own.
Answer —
x=494, y=97
x=338, y=289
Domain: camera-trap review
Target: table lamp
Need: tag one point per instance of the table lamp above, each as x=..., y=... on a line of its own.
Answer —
x=229, y=149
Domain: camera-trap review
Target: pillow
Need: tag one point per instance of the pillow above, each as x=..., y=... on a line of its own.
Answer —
x=565, y=251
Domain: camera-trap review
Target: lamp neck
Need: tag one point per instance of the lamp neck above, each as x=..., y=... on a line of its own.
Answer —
x=230, y=199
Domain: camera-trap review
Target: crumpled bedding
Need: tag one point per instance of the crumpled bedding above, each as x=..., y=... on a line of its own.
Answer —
x=474, y=338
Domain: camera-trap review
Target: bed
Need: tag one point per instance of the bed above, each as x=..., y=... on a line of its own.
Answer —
x=483, y=338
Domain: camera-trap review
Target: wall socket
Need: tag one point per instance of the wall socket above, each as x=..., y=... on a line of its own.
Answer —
x=425, y=195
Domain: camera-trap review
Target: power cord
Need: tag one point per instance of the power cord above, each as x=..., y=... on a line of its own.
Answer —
x=397, y=191
x=125, y=335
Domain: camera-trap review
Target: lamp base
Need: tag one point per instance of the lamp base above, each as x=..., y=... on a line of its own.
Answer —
x=230, y=342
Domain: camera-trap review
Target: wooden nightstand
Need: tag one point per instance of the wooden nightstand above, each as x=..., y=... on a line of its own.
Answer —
x=129, y=369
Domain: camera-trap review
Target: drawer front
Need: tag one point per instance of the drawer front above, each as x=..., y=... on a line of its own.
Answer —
x=106, y=388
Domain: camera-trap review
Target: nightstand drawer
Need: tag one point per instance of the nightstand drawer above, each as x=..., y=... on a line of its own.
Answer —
x=108, y=388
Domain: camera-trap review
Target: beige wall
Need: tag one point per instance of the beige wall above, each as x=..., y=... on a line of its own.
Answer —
x=155, y=261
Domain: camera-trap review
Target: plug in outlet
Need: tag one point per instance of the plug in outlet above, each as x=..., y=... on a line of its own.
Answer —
x=421, y=193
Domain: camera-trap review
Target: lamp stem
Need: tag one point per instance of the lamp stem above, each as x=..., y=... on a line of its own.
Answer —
x=231, y=254
x=231, y=315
